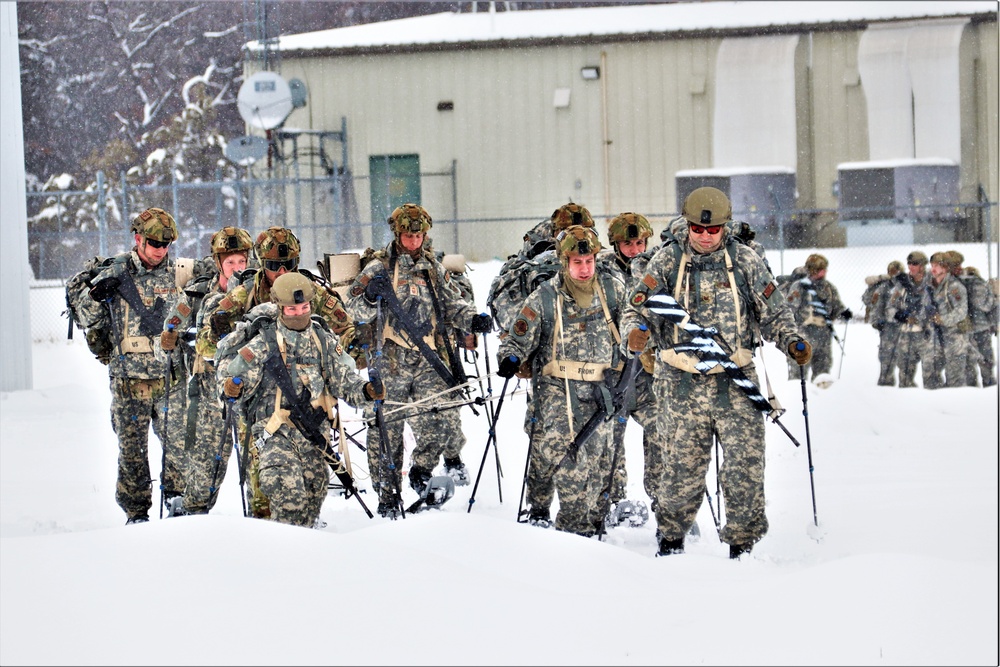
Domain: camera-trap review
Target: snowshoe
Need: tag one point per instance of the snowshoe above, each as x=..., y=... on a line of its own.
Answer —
x=438, y=490
x=455, y=469
x=140, y=518
x=389, y=511
x=539, y=519
x=633, y=513
x=175, y=506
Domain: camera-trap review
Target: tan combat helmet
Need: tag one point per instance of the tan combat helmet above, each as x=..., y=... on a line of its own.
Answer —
x=707, y=206
x=291, y=289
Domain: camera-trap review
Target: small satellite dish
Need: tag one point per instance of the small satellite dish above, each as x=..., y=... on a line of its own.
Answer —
x=244, y=151
x=264, y=100
x=298, y=93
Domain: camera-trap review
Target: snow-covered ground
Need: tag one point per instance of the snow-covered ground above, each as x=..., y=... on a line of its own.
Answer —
x=902, y=568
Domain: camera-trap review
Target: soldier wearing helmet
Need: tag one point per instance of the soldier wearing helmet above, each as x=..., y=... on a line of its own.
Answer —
x=725, y=287
x=277, y=252
x=628, y=234
x=294, y=472
x=816, y=303
x=139, y=289
x=206, y=461
x=876, y=300
x=417, y=357
x=565, y=338
x=905, y=308
x=944, y=315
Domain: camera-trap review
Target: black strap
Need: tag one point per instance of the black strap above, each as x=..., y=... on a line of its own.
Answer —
x=151, y=320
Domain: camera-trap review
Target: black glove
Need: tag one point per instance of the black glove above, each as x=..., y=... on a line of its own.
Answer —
x=508, y=366
x=879, y=326
x=220, y=324
x=378, y=284
x=105, y=289
x=482, y=324
x=847, y=314
x=901, y=316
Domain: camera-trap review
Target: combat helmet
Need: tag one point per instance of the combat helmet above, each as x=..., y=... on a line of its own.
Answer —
x=155, y=224
x=628, y=226
x=276, y=246
x=410, y=218
x=816, y=263
x=707, y=206
x=568, y=215
x=291, y=289
x=577, y=240
x=230, y=239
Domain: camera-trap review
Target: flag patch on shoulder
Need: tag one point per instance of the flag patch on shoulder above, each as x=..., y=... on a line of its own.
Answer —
x=529, y=313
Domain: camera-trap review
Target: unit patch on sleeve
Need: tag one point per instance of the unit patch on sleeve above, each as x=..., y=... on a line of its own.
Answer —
x=520, y=326
x=769, y=290
x=246, y=353
x=529, y=313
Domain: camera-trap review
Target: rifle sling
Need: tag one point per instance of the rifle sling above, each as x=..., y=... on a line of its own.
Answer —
x=151, y=319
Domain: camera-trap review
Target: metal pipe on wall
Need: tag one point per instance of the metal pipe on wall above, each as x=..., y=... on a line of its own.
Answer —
x=607, y=140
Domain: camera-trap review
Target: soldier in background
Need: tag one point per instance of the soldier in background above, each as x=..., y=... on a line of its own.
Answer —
x=905, y=308
x=207, y=455
x=945, y=307
x=815, y=303
x=139, y=289
x=876, y=299
x=566, y=331
x=980, y=323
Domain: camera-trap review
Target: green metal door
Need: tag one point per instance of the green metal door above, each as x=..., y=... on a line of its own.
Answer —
x=395, y=180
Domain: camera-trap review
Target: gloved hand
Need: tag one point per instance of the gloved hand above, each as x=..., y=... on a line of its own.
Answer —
x=637, y=338
x=847, y=314
x=364, y=334
x=470, y=341
x=374, y=394
x=168, y=340
x=220, y=324
x=879, y=326
x=936, y=318
x=508, y=366
x=901, y=316
x=105, y=289
x=481, y=324
x=801, y=351
x=233, y=387
x=377, y=285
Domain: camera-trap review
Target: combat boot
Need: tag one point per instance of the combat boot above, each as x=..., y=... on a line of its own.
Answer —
x=418, y=479
x=737, y=551
x=670, y=547
x=455, y=469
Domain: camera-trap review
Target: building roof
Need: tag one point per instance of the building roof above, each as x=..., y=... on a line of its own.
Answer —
x=452, y=30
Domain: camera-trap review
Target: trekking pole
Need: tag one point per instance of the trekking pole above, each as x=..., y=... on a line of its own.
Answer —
x=166, y=414
x=805, y=415
x=527, y=463
x=490, y=439
x=227, y=434
x=718, y=490
x=842, y=346
x=490, y=412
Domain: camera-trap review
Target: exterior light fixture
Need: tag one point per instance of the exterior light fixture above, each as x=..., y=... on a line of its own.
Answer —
x=590, y=72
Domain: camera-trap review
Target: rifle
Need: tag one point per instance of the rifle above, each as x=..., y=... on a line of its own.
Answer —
x=382, y=287
x=387, y=466
x=457, y=368
x=713, y=350
x=616, y=399
x=311, y=422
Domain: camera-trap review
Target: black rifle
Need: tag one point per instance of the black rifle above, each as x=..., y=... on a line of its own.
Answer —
x=382, y=287
x=311, y=422
x=457, y=368
x=387, y=467
x=151, y=319
x=617, y=400
x=712, y=350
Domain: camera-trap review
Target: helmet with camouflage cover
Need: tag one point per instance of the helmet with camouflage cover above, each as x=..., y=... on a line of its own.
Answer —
x=953, y=259
x=230, y=239
x=916, y=257
x=155, y=224
x=568, y=215
x=707, y=206
x=628, y=226
x=410, y=218
x=577, y=240
x=291, y=289
x=816, y=263
x=895, y=267
x=276, y=243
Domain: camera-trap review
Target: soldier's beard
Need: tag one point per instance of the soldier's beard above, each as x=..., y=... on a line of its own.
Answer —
x=296, y=322
x=582, y=291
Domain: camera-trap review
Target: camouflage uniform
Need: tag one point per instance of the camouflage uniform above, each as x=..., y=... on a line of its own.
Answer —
x=803, y=296
x=944, y=307
x=982, y=328
x=138, y=381
x=905, y=307
x=406, y=373
x=876, y=299
x=294, y=472
x=563, y=405
x=694, y=407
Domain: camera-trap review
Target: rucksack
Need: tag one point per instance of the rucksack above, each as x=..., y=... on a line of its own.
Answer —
x=89, y=316
x=518, y=277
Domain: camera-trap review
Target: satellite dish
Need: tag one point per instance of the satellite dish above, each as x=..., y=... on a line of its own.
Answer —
x=244, y=151
x=264, y=100
x=298, y=93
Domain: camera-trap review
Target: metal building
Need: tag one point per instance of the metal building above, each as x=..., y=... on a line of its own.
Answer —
x=621, y=108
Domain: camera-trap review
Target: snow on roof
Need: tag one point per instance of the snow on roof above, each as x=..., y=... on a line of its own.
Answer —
x=899, y=162
x=460, y=28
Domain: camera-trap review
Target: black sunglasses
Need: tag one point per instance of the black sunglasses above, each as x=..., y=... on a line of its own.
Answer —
x=278, y=264
x=157, y=244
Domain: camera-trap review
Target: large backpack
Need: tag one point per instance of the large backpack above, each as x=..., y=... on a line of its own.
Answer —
x=518, y=277
x=89, y=316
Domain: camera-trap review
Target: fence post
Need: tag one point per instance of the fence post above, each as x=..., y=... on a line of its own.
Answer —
x=454, y=199
x=780, y=217
x=102, y=217
x=126, y=214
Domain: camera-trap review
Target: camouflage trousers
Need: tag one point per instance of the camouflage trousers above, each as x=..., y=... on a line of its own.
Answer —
x=135, y=406
x=294, y=475
x=909, y=350
x=821, y=340
x=644, y=411
x=208, y=447
x=408, y=377
x=981, y=359
x=695, y=409
x=950, y=354
x=577, y=477
x=887, y=338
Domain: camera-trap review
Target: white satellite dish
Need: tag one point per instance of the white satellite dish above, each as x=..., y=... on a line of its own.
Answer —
x=264, y=100
x=244, y=151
